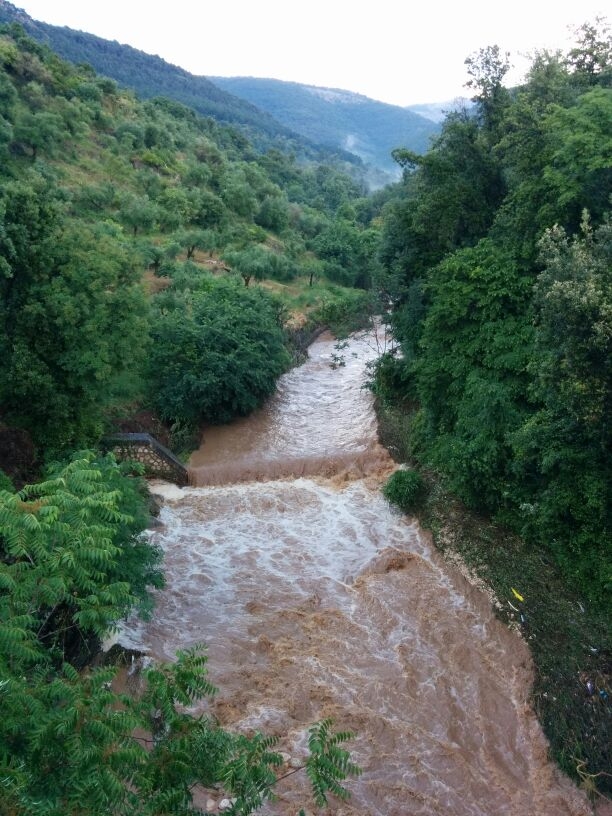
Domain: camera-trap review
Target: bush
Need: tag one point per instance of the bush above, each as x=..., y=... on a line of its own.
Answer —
x=217, y=352
x=346, y=311
x=406, y=489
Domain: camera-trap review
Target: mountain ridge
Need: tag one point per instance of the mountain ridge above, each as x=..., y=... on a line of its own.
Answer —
x=150, y=76
x=333, y=116
x=339, y=124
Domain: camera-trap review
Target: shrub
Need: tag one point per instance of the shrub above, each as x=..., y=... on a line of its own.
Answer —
x=217, y=352
x=406, y=489
x=346, y=311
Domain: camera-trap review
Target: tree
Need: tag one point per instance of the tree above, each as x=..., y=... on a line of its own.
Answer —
x=563, y=450
x=487, y=69
x=72, y=317
x=590, y=61
x=238, y=195
x=579, y=173
x=339, y=245
x=8, y=97
x=204, y=240
x=525, y=149
x=159, y=257
x=273, y=213
x=449, y=200
x=72, y=556
x=254, y=262
x=470, y=369
x=176, y=207
x=40, y=131
x=217, y=351
x=138, y=213
x=210, y=210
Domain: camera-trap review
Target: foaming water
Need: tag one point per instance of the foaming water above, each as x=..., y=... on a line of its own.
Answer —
x=317, y=599
x=320, y=422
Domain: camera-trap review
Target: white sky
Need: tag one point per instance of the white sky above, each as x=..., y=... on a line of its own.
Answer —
x=391, y=50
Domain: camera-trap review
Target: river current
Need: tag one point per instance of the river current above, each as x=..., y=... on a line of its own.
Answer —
x=317, y=599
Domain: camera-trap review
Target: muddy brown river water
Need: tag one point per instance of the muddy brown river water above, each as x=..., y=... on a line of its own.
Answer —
x=317, y=599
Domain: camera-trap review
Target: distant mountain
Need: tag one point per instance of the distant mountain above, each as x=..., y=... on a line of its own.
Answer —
x=333, y=117
x=150, y=76
x=436, y=111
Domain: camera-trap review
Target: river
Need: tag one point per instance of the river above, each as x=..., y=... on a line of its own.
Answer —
x=317, y=599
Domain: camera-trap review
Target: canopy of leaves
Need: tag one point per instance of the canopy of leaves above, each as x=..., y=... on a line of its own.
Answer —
x=72, y=562
x=502, y=301
x=72, y=317
x=217, y=352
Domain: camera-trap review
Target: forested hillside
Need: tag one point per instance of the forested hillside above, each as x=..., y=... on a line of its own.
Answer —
x=114, y=215
x=498, y=256
x=131, y=237
x=150, y=76
x=329, y=116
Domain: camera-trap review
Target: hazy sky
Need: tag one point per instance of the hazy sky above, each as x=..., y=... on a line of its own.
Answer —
x=393, y=51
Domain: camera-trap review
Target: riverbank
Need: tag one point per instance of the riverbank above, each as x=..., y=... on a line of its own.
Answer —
x=570, y=642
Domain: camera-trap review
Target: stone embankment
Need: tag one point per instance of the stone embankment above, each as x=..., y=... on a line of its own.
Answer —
x=158, y=461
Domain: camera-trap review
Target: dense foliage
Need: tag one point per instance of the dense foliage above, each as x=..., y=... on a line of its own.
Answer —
x=497, y=261
x=72, y=561
x=72, y=315
x=497, y=247
x=217, y=352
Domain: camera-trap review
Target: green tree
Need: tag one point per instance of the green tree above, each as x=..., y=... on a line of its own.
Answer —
x=562, y=451
x=8, y=97
x=470, y=369
x=72, y=559
x=450, y=198
x=339, y=245
x=579, y=173
x=487, y=69
x=176, y=207
x=72, y=318
x=238, y=195
x=39, y=132
x=273, y=213
x=590, y=61
x=159, y=257
x=211, y=210
x=204, y=240
x=138, y=213
x=217, y=351
x=258, y=263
